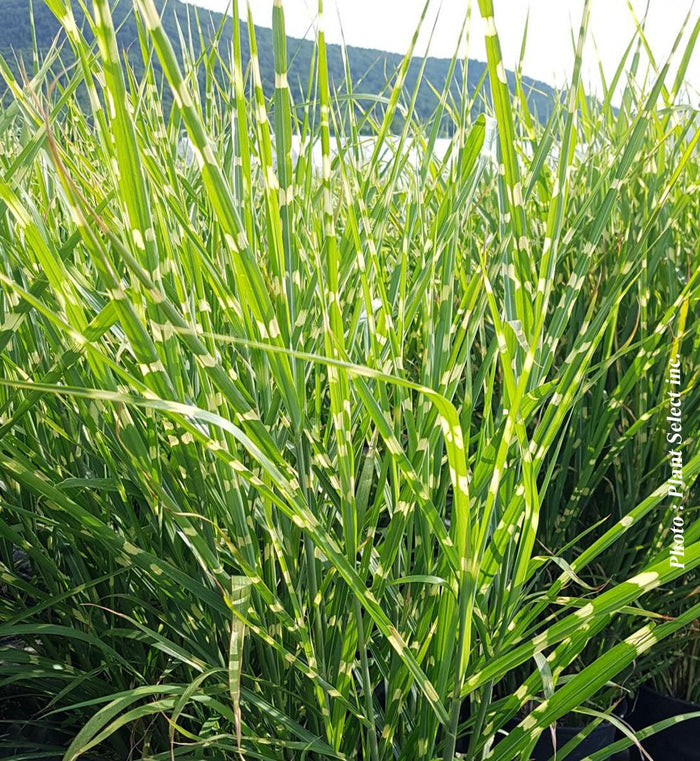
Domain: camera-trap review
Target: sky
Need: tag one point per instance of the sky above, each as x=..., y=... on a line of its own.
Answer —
x=389, y=25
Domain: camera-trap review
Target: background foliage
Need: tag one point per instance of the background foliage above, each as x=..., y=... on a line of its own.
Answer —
x=370, y=69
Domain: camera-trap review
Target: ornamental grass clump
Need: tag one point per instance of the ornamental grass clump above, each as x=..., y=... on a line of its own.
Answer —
x=347, y=463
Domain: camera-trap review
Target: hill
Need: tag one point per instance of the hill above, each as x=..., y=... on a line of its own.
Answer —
x=369, y=68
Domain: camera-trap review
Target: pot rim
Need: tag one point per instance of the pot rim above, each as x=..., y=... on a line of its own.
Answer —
x=652, y=693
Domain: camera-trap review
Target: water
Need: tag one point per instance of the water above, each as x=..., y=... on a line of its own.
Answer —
x=414, y=153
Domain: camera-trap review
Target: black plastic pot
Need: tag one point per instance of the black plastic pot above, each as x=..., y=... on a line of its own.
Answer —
x=678, y=743
x=602, y=736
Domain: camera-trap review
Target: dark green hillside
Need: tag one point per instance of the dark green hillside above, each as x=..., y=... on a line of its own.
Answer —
x=369, y=68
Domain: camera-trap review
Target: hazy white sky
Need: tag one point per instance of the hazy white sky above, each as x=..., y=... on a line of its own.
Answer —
x=389, y=25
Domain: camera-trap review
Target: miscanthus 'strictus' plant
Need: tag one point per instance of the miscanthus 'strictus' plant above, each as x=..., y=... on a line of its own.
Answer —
x=277, y=441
